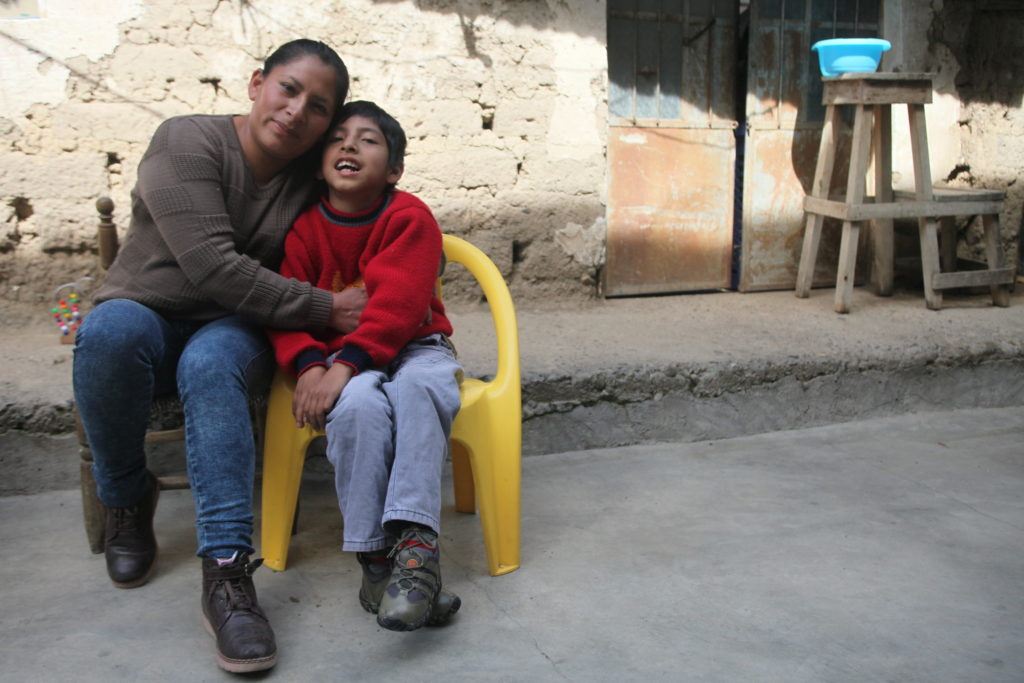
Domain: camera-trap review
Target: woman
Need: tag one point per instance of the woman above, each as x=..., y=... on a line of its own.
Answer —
x=182, y=309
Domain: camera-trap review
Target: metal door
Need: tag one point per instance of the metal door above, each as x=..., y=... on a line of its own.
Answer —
x=784, y=117
x=671, y=145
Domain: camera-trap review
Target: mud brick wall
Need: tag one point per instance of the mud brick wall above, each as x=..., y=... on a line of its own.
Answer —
x=986, y=38
x=503, y=102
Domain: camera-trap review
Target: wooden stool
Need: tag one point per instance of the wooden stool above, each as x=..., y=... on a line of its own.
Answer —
x=873, y=95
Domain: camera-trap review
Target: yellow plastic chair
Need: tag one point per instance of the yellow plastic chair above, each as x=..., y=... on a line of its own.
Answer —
x=486, y=439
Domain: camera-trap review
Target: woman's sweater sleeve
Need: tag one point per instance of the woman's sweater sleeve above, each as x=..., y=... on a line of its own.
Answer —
x=181, y=183
x=298, y=350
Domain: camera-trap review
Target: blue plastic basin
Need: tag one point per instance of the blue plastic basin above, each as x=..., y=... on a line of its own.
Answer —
x=850, y=55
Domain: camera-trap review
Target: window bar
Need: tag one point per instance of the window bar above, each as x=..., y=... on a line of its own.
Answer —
x=636, y=63
x=709, y=67
x=662, y=17
x=781, y=51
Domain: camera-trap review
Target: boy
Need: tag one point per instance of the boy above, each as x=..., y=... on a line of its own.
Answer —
x=386, y=393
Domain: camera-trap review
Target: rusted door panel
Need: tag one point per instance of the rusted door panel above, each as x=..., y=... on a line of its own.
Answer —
x=671, y=149
x=669, y=210
x=778, y=170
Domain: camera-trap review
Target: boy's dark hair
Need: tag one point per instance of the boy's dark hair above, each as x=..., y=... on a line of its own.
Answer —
x=302, y=47
x=389, y=127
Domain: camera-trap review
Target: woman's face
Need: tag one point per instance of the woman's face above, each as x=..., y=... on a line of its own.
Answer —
x=292, y=107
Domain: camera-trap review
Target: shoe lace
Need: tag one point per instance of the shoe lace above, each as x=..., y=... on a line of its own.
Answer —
x=126, y=518
x=418, y=574
x=235, y=584
x=411, y=541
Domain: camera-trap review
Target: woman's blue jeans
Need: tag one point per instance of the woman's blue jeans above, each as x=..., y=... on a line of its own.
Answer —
x=125, y=354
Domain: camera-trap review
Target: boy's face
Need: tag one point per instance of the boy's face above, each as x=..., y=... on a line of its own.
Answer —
x=355, y=165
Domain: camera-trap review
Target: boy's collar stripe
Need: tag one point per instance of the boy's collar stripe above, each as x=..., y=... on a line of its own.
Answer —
x=353, y=220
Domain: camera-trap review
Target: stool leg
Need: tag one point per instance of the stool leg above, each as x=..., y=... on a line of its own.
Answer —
x=994, y=252
x=859, y=153
x=882, y=231
x=927, y=228
x=820, y=188
x=94, y=514
x=847, y=265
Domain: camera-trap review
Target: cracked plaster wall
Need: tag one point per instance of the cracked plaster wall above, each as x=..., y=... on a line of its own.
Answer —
x=503, y=102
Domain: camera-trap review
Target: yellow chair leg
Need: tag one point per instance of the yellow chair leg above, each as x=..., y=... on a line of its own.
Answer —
x=462, y=478
x=284, y=454
x=497, y=477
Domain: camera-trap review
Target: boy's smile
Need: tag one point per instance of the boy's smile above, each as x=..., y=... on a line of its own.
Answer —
x=355, y=165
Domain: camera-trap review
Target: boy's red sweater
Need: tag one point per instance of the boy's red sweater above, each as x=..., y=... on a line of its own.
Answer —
x=396, y=248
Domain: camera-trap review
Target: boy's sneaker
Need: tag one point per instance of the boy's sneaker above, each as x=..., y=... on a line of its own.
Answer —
x=377, y=569
x=415, y=583
x=232, y=615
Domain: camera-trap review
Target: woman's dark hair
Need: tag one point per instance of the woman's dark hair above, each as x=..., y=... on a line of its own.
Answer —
x=389, y=127
x=303, y=47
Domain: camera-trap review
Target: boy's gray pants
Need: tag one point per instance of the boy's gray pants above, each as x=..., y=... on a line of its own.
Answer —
x=387, y=438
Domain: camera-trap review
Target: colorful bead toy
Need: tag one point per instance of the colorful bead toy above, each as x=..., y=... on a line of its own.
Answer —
x=67, y=314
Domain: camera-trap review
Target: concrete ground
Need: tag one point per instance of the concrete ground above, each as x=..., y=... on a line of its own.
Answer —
x=879, y=550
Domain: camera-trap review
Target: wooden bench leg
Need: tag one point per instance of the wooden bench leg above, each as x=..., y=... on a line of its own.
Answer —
x=929, y=235
x=93, y=513
x=928, y=228
x=947, y=244
x=994, y=253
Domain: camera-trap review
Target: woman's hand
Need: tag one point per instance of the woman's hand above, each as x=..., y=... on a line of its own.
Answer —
x=316, y=396
x=348, y=305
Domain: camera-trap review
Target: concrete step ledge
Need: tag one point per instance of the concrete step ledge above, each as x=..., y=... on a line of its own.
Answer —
x=688, y=368
x=687, y=403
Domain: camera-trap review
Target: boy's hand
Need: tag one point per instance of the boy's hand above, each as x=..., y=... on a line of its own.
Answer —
x=319, y=399
x=346, y=308
x=303, y=392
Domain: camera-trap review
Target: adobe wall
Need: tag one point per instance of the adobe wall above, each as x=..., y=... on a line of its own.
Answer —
x=975, y=49
x=986, y=40
x=503, y=103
